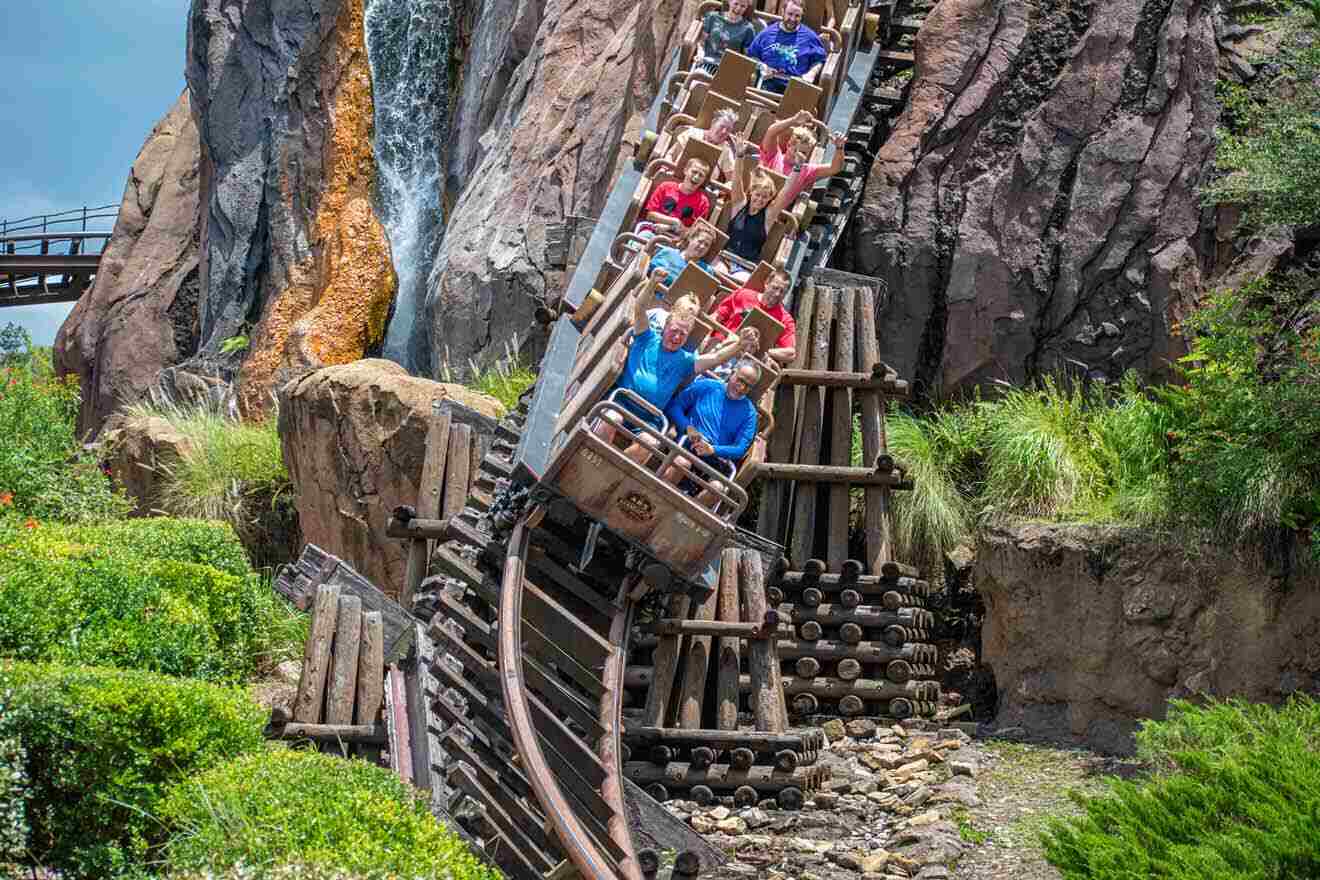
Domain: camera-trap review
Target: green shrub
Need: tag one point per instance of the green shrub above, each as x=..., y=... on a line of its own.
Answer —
x=44, y=472
x=229, y=470
x=1239, y=798
x=1247, y=421
x=63, y=599
x=101, y=748
x=1269, y=147
x=505, y=380
x=283, y=806
x=204, y=542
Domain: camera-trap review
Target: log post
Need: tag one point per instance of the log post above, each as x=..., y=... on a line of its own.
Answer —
x=726, y=712
x=841, y=430
x=666, y=655
x=693, y=693
x=879, y=528
x=344, y=667
x=763, y=658
x=316, y=656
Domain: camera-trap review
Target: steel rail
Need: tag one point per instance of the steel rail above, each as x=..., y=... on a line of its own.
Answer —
x=578, y=844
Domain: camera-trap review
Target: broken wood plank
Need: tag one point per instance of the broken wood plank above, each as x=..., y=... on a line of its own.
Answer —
x=344, y=663
x=298, y=581
x=316, y=656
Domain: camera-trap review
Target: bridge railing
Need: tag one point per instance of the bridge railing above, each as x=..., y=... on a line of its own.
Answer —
x=27, y=233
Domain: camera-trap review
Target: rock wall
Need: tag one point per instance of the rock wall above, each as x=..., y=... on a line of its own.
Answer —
x=1035, y=205
x=141, y=314
x=354, y=438
x=292, y=253
x=1089, y=629
x=549, y=91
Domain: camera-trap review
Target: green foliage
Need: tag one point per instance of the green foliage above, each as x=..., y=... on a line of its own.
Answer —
x=935, y=516
x=1269, y=147
x=1246, y=425
x=44, y=472
x=278, y=807
x=1239, y=797
x=66, y=598
x=182, y=540
x=100, y=749
x=13, y=785
x=228, y=470
x=234, y=343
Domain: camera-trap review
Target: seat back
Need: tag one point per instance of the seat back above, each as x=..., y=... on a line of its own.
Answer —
x=734, y=76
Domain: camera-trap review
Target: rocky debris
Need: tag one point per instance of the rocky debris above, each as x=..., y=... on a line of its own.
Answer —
x=354, y=439
x=887, y=811
x=293, y=256
x=1039, y=190
x=141, y=314
x=1127, y=623
x=550, y=93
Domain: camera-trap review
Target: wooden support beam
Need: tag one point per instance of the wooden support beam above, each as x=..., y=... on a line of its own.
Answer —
x=697, y=667
x=316, y=656
x=726, y=711
x=820, y=473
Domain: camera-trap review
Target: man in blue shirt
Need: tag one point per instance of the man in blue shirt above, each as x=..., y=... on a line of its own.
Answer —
x=718, y=421
x=787, y=49
x=657, y=364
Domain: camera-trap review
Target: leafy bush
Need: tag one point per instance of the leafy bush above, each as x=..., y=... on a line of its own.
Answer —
x=1269, y=149
x=281, y=806
x=229, y=470
x=100, y=750
x=182, y=540
x=1239, y=798
x=63, y=598
x=44, y=472
x=13, y=785
x=1246, y=425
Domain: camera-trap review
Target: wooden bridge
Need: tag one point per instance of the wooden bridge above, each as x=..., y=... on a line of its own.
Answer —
x=52, y=258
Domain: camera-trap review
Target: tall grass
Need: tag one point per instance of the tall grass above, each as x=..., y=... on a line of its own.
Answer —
x=505, y=380
x=936, y=515
x=227, y=470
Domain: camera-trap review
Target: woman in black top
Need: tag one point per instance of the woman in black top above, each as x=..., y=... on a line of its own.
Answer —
x=755, y=205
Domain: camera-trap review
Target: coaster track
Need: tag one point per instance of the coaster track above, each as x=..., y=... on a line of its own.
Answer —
x=532, y=634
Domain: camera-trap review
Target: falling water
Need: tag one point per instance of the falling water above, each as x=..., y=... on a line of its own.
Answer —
x=408, y=46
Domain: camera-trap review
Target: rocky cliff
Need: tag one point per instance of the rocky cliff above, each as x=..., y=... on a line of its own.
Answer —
x=1088, y=630
x=141, y=315
x=549, y=91
x=292, y=253
x=1035, y=205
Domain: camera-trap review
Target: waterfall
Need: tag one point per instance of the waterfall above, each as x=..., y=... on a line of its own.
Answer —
x=408, y=46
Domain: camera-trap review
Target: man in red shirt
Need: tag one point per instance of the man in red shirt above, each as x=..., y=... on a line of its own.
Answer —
x=676, y=204
x=771, y=301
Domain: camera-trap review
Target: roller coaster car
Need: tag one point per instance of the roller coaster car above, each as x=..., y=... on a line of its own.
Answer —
x=633, y=501
x=682, y=535
x=687, y=90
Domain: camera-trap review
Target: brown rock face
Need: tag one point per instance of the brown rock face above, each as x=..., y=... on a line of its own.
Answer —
x=293, y=255
x=141, y=315
x=1088, y=630
x=1035, y=204
x=354, y=441
x=550, y=89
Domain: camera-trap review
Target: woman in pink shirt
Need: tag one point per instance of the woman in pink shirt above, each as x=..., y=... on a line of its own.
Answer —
x=787, y=146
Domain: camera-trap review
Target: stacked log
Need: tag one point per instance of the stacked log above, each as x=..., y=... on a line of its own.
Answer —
x=692, y=672
x=856, y=635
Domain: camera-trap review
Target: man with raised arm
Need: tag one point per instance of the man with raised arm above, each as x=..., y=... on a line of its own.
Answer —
x=718, y=421
x=787, y=49
x=658, y=363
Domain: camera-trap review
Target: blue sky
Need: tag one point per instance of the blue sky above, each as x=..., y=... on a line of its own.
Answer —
x=85, y=80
